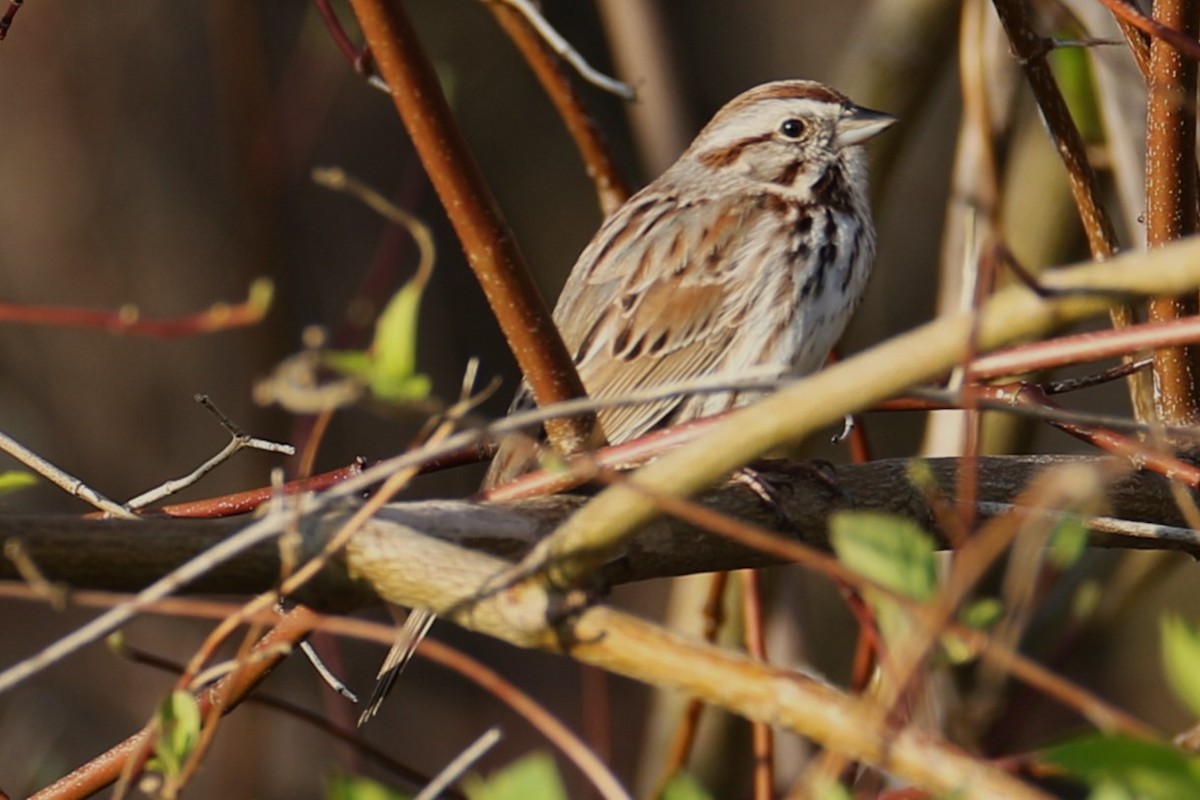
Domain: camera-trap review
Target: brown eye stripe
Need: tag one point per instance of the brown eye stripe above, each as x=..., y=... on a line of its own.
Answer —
x=725, y=156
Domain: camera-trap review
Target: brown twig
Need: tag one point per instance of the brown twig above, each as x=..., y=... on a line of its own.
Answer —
x=1031, y=50
x=538, y=716
x=611, y=188
x=486, y=239
x=128, y=320
x=1177, y=38
x=1171, y=195
x=359, y=58
x=10, y=14
x=243, y=502
x=686, y=731
x=226, y=694
x=762, y=738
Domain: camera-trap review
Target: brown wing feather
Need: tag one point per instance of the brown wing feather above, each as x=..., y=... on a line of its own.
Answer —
x=619, y=287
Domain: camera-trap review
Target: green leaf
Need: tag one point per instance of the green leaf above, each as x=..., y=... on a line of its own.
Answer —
x=534, y=776
x=1086, y=600
x=389, y=367
x=12, y=480
x=684, y=786
x=1073, y=71
x=1120, y=766
x=394, y=348
x=891, y=551
x=980, y=615
x=1067, y=543
x=178, y=732
x=1181, y=660
x=343, y=786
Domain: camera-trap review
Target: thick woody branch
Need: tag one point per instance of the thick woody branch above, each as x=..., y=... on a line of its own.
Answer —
x=127, y=555
x=489, y=244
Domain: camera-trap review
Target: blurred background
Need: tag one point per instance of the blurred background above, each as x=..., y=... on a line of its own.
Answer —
x=158, y=154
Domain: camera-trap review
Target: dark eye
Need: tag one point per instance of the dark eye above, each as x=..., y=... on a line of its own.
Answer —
x=791, y=128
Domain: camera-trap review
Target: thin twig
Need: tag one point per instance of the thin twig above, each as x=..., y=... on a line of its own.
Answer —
x=1127, y=12
x=1031, y=50
x=68, y=483
x=1079, y=348
x=129, y=320
x=359, y=59
x=338, y=180
x=564, y=50
x=611, y=188
x=239, y=441
x=9, y=15
x=460, y=764
x=762, y=738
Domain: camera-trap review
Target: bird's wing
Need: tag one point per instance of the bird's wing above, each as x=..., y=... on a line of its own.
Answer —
x=653, y=300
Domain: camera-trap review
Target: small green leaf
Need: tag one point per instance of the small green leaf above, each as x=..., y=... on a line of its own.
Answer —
x=343, y=786
x=1073, y=71
x=1086, y=600
x=12, y=480
x=1120, y=766
x=684, y=786
x=1181, y=660
x=389, y=367
x=982, y=614
x=394, y=348
x=178, y=732
x=1067, y=543
x=535, y=775
x=891, y=551
x=920, y=474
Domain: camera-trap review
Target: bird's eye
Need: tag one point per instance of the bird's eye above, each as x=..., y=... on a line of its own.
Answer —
x=791, y=128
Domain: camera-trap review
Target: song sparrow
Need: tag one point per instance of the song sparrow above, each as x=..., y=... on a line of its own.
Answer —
x=753, y=249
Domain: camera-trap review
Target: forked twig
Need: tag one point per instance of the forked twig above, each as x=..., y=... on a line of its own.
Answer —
x=239, y=440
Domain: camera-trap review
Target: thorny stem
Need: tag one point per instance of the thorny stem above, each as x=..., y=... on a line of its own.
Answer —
x=1171, y=196
x=486, y=239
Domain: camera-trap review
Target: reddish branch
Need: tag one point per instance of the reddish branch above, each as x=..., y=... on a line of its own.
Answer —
x=129, y=320
x=1171, y=195
x=1183, y=40
x=104, y=770
x=486, y=239
x=10, y=14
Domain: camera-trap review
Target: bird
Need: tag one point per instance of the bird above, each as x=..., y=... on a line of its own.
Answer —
x=752, y=250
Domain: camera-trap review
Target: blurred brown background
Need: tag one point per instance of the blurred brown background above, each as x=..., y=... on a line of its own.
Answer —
x=158, y=154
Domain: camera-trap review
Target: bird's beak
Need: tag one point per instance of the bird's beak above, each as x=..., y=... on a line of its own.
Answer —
x=859, y=124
